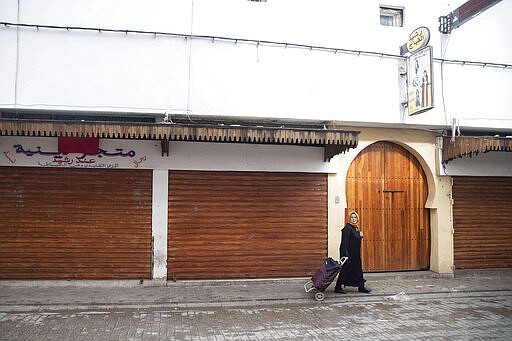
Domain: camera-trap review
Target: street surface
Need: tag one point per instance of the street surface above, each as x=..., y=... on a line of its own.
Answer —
x=399, y=317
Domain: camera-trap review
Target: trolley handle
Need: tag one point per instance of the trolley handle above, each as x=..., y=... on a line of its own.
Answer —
x=343, y=260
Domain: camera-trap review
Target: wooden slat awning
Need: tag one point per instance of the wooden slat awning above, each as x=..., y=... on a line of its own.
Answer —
x=472, y=145
x=334, y=141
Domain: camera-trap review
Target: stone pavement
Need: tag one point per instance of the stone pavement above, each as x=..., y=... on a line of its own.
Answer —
x=66, y=294
x=410, y=305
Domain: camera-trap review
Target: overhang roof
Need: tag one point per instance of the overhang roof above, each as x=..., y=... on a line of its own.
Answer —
x=334, y=141
x=464, y=146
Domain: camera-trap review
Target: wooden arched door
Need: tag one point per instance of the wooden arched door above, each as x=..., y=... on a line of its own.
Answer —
x=387, y=187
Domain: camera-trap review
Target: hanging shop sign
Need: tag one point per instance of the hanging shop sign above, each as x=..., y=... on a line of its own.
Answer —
x=418, y=39
x=419, y=81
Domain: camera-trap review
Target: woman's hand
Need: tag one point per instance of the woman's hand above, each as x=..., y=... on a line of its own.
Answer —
x=361, y=234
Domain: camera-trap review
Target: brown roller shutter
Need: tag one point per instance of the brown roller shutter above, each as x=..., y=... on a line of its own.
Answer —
x=75, y=223
x=246, y=224
x=482, y=219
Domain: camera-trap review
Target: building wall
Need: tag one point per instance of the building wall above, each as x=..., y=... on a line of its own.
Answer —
x=120, y=73
x=153, y=74
x=131, y=154
x=31, y=151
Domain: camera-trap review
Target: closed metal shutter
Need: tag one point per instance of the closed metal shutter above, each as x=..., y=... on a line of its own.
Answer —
x=75, y=223
x=482, y=219
x=246, y=224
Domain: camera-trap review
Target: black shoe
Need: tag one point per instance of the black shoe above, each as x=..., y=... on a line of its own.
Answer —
x=340, y=291
x=365, y=290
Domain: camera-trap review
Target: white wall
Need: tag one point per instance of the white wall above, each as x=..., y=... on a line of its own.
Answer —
x=48, y=69
x=483, y=164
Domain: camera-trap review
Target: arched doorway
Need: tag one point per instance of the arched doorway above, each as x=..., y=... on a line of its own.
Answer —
x=387, y=186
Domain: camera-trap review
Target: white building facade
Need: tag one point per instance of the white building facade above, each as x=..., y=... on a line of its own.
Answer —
x=235, y=135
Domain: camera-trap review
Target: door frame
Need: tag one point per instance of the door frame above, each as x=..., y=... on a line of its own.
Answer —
x=423, y=145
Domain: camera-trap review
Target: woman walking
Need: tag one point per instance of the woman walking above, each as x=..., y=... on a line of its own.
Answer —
x=351, y=273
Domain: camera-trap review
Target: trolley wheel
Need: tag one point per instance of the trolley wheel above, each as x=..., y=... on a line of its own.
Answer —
x=319, y=296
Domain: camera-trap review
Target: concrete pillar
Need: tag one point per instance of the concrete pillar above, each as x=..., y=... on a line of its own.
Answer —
x=441, y=223
x=159, y=223
x=336, y=213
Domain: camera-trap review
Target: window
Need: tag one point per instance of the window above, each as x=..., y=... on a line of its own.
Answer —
x=391, y=16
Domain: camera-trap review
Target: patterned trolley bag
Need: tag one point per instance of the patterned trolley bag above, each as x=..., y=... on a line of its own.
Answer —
x=324, y=276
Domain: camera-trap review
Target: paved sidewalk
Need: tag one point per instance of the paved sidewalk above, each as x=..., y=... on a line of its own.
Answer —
x=33, y=295
x=402, y=306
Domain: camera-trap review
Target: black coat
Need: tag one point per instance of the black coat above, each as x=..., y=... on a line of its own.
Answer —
x=352, y=271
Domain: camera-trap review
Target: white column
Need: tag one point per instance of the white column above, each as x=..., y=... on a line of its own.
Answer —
x=159, y=223
x=336, y=211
